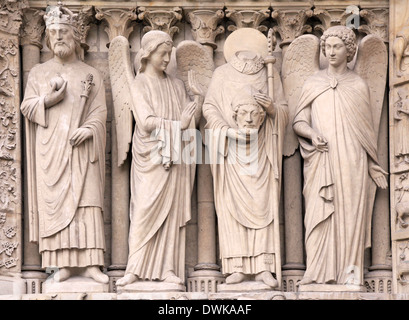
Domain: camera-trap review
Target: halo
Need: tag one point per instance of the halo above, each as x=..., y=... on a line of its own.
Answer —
x=248, y=39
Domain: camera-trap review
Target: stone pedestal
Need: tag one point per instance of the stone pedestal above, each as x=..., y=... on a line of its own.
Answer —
x=114, y=275
x=290, y=279
x=75, y=284
x=12, y=285
x=204, y=281
x=379, y=281
x=34, y=281
x=150, y=286
x=245, y=286
x=247, y=290
x=331, y=288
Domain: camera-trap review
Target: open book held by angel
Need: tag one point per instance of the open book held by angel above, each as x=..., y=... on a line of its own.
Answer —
x=335, y=115
x=156, y=108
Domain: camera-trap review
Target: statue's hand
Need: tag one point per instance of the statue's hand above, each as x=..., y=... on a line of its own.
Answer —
x=55, y=96
x=242, y=135
x=193, y=84
x=378, y=175
x=79, y=136
x=266, y=102
x=187, y=115
x=320, y=143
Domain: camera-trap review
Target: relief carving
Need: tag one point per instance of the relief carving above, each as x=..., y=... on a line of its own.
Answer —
x=401, y=118
x=163, y=20
x=291, y=24
x=11, y=15
x=118, y=21
x=376, y=22
x=205, y=26
x=33, y=27
x=247, y=19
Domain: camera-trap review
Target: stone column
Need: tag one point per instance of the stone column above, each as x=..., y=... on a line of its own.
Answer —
x=206, y=275
x=11, y=167
x=32, y=32
x=291, y=23
x=118, y=22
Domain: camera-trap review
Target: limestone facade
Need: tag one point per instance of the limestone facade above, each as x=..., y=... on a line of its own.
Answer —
x=22, y=46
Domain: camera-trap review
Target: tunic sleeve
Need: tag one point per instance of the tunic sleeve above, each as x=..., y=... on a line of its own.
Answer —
x=33, y=107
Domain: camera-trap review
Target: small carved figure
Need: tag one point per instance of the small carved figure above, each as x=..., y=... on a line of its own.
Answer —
x=161, y=181
x=402, y=126
x=245, y=117
x=337, y=121
x=65, y=110
x=399, y=49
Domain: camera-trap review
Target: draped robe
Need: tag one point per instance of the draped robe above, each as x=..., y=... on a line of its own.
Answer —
x=67, y=183
x=160, y=199
x=246, y=200
x=338, y=190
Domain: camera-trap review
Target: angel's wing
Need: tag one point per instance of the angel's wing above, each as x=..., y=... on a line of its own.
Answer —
x=121, y=75
x=372, y=66
x=300, y=61
x=191, y=55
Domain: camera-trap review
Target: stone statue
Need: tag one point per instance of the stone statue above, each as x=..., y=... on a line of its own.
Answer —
x=246, y=188
x=65, y=110
x=336, y=118
x=161, y=179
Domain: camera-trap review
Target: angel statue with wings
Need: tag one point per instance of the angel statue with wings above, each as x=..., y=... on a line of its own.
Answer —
x=246, y=113
x=161, y=178
x=336, y=115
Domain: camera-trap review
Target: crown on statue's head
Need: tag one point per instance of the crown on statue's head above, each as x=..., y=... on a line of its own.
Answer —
x=60, y=15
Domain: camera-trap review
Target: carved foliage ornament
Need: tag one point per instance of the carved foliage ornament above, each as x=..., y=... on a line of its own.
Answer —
x=163, y=20
x=118, y=21
x=33, y=27
x=291, y=24
x=205, y=27
x=248, y=19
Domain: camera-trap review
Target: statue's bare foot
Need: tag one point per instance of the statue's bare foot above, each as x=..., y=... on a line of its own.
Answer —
x=235, y=277
x=267, y=278
x=95, y=273
x=172, y=278
x=304, y=281
x=127, y=279
x=62, y=274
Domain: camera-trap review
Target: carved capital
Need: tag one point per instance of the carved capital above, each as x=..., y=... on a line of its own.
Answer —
x=291, y=24
x=163, y=20
x=205, y=26
x=330, y=17
x=11, y=13
x=33, y=27
x=248, y=19
x=118, y=21
x=86, y=16
x=376, y=22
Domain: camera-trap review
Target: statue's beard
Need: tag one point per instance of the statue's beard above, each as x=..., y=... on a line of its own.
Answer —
x=63, y=49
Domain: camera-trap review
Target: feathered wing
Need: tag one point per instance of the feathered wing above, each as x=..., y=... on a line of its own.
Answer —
x=121, y=75
x=300, y=61
x=372, y=66
x=191, y=55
